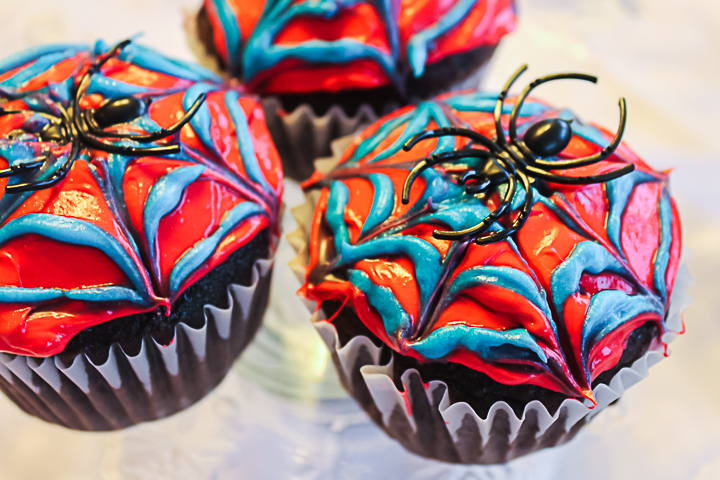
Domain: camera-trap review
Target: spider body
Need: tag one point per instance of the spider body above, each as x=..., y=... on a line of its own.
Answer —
x=86, y=129
x=118, y=110
x=517, y=161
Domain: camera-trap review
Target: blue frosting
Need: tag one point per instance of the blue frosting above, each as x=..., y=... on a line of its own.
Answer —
x=420, y=43
x=244, y=139
x=505, y=277
x=588, y=257
x=42, y=64
x=164, y=197
x=231, y=31
x=372, y=142
x=418, y=122
x=383, y=202
x=202, y=120
x=395, y=318
x=192, y=260
x=618, y=193
x=339, y=196
x=493, y=345
x=76, y=232
x=424, y=256
x=111, y=88
x=261, y=53
x=21, y=58
x=662, y=258
x=485, y=102
x=150, y=59
x=609, y=310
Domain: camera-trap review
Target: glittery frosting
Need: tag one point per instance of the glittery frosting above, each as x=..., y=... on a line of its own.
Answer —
x=552, y=305
x=293, y=46
x=122, y=234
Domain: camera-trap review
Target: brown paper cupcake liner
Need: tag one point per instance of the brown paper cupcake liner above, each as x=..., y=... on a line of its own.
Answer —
x=422, y=417
x=157, y=382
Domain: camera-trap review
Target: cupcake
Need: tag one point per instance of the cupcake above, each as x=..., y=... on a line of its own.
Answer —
x=490, y=272
x=337, y=57
x=139, y=205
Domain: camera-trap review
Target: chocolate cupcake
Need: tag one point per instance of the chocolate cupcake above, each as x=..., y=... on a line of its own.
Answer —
x=490, y=272
x=328, y=54
x=138, y=221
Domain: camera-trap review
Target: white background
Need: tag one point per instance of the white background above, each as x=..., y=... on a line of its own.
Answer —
x=662, y=55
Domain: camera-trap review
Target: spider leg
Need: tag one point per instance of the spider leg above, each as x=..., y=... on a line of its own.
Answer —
x=129, y=151
x=56, y=177
x=95, y=130
x=598, y=157
x=110, y=54
x=500, y=133
x=455, y=132
x=521, y=99
x=487, y=221
x=519, y=221
x=563, y=180
x=433, y=160
x=13, y=170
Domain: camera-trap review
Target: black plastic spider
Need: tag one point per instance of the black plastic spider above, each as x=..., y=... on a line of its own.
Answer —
x=85, y=128
x=519, y=159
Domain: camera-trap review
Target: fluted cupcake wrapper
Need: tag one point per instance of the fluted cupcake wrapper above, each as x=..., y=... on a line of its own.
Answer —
x=157, y=382
x=422, y=417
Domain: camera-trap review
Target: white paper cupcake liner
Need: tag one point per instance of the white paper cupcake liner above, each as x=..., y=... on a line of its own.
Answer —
x=157, y=382
x=422, y=417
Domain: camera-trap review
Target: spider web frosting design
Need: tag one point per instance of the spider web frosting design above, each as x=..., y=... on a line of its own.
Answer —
x=552, y=305
x=122, y=234
x=289, y=45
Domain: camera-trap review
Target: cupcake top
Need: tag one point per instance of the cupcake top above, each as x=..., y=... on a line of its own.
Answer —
x=126, y=177
x=541, y=289
x=299, y=46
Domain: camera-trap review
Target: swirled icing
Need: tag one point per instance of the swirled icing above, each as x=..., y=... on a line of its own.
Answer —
x=122, y=235
x=552, y=306
x=291, y=46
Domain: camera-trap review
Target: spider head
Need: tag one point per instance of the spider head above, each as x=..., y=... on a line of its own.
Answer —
x=547, y=138
x=53, y=132
x=119, y=110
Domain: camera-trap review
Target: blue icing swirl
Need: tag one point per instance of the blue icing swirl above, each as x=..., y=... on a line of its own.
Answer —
x=164, y=197
x=76, y=232
x=261, y=53
x=192, y=260
x=231, y=31
x=395, y=318
x=419, y=43
x=383, y=202
x=493, y=345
